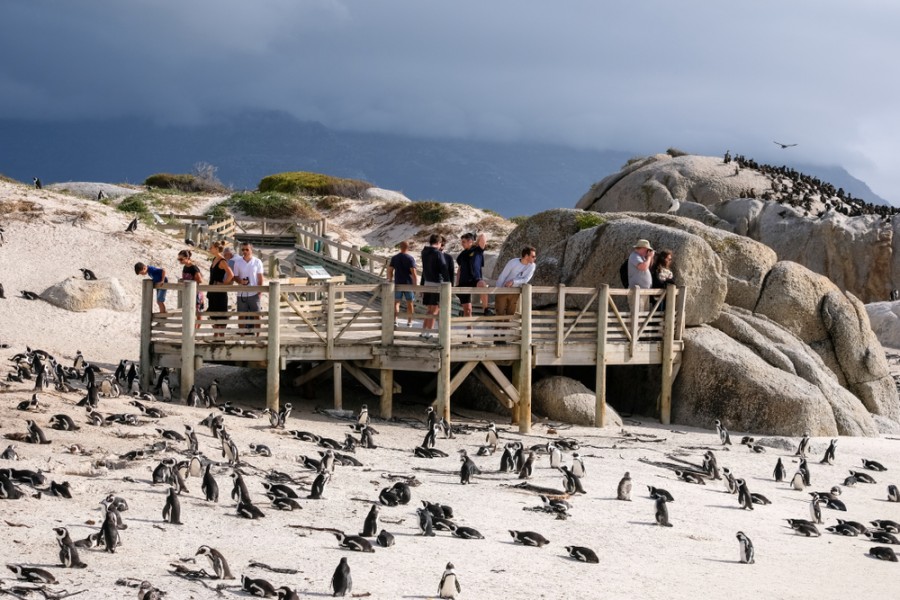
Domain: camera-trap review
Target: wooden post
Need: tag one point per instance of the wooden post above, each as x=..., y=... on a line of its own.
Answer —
x=188, y=324
x=337, y=374
x=635, y=298
x=273, y=267
x=273, y=347
x=560, y=319
x=387, y=339
x=524, y=382
x=443, y=382
x=665, y=398
x=147, y=300
x=600, y=386
x=187, y=231
x=514, y=409
x=329, y=320
x=682, y=299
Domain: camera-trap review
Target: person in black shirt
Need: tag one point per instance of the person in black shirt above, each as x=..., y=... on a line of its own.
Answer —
x=402, y=270
x=471, y=261
x=190, y=271
x=434, y=272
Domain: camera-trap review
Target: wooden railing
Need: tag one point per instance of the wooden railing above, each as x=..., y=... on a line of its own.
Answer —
x=352, y=255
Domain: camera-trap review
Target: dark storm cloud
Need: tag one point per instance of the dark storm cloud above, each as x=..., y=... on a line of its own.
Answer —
x=640, y=75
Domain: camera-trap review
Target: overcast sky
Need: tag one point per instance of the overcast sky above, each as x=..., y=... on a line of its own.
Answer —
x=629, y=75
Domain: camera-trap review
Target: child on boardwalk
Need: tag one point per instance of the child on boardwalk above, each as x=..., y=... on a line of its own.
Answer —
x=158, y=275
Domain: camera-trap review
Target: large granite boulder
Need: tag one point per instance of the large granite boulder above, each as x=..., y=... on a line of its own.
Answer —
x=78, y=295
x=564, y=399
x=884, y=317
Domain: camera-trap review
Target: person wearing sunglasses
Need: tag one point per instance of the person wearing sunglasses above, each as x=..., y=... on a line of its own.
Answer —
x=248, y=271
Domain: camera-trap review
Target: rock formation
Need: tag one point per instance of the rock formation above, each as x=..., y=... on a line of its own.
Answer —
x=570, y=401
x=78, y=294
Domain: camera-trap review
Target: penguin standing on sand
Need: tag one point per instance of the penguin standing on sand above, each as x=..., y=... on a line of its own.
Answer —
x=747, y=551
x=219, y=564
x=779, y=473
x=506, y=460
x=426, y=525
x=571, y=482
x=68, y=553
x=829, y=453
x=803, y=467
x=893, y=493
x=815, y=510
x=578, y=466
x=724, y=436
x=492, y=439
x=37, y=183
x=797, y=481
x=449, y=585
x=341, y=581
x=110, y=531
x=171, y=512
x=318, y=486
x=744, y=497
x=804, y=445
x=662, y=511
x=624, y=490
x=555, y=455
x=528, y=468
x=370, y=527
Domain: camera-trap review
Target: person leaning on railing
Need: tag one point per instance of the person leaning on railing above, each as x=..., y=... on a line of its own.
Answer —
x=516, y=273
x=248, y=270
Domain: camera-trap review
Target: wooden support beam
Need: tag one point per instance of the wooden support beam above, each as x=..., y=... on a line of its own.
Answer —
x=600, y=384
x=188, y=325
x=387, y=393
x=329, y=321
x=524, y=381
x=461, y=375
x=504, y=383
x=338, y=385
x=443, y=378
x=494, y=389
x=313, y=373
x=514, y=409
x=560, y=320
x=273, y=348
x=665, y=408
x=147, y=301
x=634, y=298
x=363, y=378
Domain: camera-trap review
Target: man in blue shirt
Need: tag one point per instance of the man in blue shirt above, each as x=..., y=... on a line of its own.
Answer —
x=402, y=270
x=158, y=276
x=471, y=261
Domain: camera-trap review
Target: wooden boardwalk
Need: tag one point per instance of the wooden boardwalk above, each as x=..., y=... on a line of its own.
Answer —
x=319, y=326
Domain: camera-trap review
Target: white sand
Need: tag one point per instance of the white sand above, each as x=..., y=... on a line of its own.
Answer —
x=696, y=557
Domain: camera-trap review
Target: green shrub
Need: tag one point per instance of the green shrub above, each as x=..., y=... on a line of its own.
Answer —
x=185, y=182
x=519, y=219
x=675, y=152
x=314, y=184
x=218, y=210
x=136, y=204
x=329, y=202
x=426, y=212
x=272, y=205
x=363, y=261
x=586, y=220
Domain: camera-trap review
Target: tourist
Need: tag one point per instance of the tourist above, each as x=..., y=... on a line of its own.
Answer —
x=402, y=270
x=158, y=275
x=516, y=273
x=248, y=270
x=228, y=253
x=220, y=273
x=639, y=263
x=191, y=272
x=661, y=271
x=471, y=261
x=434, y=271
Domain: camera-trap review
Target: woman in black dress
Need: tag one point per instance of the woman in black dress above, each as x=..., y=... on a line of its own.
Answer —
x=190, y=272
x=219, y=274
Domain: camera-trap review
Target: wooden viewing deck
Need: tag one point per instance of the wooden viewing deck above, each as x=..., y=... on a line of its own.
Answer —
x=321, y=326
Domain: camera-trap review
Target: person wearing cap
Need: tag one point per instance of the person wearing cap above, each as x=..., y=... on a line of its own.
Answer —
x=639, y=264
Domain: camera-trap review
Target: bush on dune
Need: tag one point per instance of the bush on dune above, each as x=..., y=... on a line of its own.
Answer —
x=272, y=205
x=313, y=184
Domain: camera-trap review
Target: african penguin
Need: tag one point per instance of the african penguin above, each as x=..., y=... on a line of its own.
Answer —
x=370, y=526
x=779, y=473
x=257, y=587
x=341, y=581
x=449, y=585
x=747, y=552
x=171, y=512
x=582, y=554
x=893, y=493
x=883, y=553
x=32, y=574
x=623, y=492
x=219, y=564
x=529, y=538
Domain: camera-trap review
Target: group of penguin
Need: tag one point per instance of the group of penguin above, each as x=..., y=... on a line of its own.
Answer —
x=516, y=458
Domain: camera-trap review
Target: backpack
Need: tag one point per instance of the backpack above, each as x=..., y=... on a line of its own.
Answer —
x=623, y=274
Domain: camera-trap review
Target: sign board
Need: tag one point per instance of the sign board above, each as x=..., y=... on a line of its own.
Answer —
x=316, y=272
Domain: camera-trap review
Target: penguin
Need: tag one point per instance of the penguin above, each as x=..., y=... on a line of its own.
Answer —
x=328, y=460
x=582, y=554
x=711, y=465
x=367, y=441
x=803, y=467
x=747, y=553
x=662, y=512
x=578, y=466
x=170, y=434
x=529, y=538
x=63, y=422
x=62, y=490
x=165, y=391
x=815, y=510
x=88, y=274
x=286, y=593
x=171, y=512
x=465, y=533
x=403, y=491
x=318, y=486
x=35, y=434
x=779, y=473
x=239, y=489
x=430, y=436
x=571, y=481
x=280, y=489
x=146, y=591
x=807, y=529
x=555, y=456
x=10, y=453
x=491, y=438
x=37, y=183
x=32, y=574
x=385, y=539
x=506, y=460
x=191, y=437
x=873, y=465
x=219, y=564
x=860, y=477
x=363, y=419
x=248, y=510
x=110, y=531
x=842, y=529
x=804, y=445
x=623, y=492
x=744, y=497
x=859, y=527
x=354, y=542
x=882, y=537
x=426, y=525
x=655, y=491
x=28, y=404
x=887, y=525
x=893, y=493
x=341, y=582
x=467, y=468
x=370, y=526
x=261, y=450
x=389, y=497
x=528, y=468
x=883, y=553
x=257, y=587
x=797, y=481
x=163, y=471
x=449, y=585
x=690, y=477
x=829, y=453
x=724, y=436
x=132, y=226
x=68, y=553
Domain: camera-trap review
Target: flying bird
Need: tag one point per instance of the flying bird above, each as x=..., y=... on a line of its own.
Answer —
x=783, y=146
